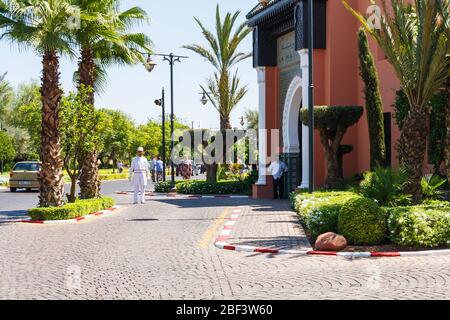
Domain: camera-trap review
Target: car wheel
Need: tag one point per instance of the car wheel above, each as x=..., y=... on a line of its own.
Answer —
x=13, y=189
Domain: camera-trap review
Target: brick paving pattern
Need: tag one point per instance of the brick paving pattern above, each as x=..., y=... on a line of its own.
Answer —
x=151, y=252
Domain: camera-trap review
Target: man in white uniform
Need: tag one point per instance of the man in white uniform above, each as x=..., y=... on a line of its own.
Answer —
x=139, y=174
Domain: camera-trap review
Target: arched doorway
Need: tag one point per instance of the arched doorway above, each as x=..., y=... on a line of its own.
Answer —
x=292, y=133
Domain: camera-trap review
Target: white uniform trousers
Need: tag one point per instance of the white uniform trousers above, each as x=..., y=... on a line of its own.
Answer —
x=139, y=184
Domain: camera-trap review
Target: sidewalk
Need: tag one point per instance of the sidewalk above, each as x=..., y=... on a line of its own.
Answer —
x=271, y=224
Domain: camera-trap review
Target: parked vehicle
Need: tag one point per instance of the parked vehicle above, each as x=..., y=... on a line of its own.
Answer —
x=24, y=175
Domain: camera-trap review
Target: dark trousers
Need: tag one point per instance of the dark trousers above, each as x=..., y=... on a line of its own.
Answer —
x=278, y=188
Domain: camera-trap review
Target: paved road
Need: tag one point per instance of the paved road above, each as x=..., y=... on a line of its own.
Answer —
x=164, y=250
x=14, y=205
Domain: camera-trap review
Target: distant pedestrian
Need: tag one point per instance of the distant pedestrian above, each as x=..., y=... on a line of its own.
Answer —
x=159, y=167
x=153, y=168
x=186, y=168
x=120, y=166
x=139, y=174
x=277, y=169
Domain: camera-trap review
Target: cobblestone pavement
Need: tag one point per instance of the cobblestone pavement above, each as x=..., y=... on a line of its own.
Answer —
x=164, y=250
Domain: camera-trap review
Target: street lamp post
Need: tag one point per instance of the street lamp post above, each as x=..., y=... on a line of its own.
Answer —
x=205, y=97
x=311, y=96
x=162, y=103
x=2, y=164
x=150, y=65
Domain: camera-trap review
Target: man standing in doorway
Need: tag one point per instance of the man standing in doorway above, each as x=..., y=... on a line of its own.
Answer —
x=139, y=174
x=277, y=169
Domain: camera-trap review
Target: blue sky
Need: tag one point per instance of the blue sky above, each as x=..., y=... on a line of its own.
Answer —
x=133, y=89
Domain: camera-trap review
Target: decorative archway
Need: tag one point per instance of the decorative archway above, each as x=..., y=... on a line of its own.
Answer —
x=292, y=104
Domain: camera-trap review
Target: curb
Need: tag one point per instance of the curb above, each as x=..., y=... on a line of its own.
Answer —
x=168, y=195
x=221, y=243
x=87, y=217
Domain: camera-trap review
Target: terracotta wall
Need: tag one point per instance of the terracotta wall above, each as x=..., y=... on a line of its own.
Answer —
x=337, y=83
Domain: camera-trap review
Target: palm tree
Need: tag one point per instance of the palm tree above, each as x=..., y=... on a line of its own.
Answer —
x=415, y=39
x=43, y=26
x=223, y=54
x=447, y=124
x=104, y=40
x=252, y=117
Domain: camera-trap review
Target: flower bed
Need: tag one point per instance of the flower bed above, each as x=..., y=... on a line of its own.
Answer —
x=74, y=210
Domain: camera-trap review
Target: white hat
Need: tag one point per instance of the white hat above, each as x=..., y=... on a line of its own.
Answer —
x=140, y=149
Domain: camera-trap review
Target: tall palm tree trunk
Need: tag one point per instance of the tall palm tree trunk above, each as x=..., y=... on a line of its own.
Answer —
x=447, y=142
x=89, y=180
x=412, y=148
x=51, y=190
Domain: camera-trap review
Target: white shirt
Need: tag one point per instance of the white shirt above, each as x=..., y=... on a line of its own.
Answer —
x=139, y=165
x=277, y=168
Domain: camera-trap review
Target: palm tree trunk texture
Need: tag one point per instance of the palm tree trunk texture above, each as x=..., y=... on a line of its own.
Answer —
x=447, y=142
x=211, y=169
x=51, y=190
x=412, y=149
x=89, y=180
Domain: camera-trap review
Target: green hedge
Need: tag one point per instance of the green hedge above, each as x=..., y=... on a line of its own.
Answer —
x=163, y=186
x=71, y=210
x=319, y=211
x=241, y=184
x=362, y=222
x=221, y=187
x=427, y=225
x=113, y=176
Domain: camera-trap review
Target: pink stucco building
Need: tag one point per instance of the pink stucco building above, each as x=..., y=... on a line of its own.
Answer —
x=281, y=62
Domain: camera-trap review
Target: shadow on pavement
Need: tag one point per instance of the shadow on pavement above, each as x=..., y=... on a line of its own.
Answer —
x=281, y=242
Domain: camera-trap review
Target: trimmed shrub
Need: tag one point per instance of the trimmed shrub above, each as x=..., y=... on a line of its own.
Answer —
x=332, y=124
x=362, y=222
x=319, y=211
x=74, y=210
x=425, y=226
x=163, y=186
x=323, y=219
x=221, y=187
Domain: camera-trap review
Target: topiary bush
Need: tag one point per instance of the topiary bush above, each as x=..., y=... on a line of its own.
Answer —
x=303, y=203
x=319, y=211
x=323, y=219
x=425, y=226
x=332, y=124
x=74, y=210
x=362, y=222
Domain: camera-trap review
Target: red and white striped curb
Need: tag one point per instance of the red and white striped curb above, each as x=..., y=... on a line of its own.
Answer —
x=186, y=196
x=221, y=243
x=84, y=218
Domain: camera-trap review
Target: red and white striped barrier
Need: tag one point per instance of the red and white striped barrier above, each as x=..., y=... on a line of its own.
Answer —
x=221, y=243
x=185, y=196
x=84, y=218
